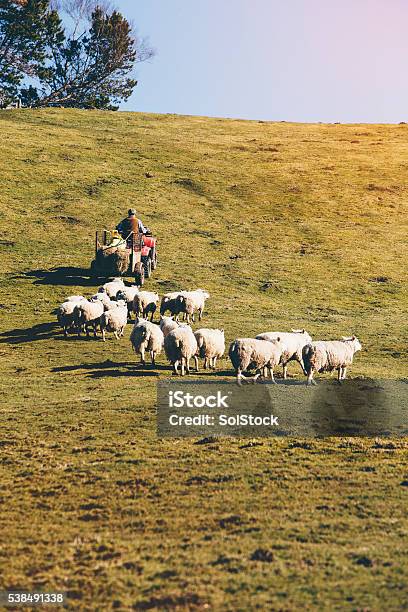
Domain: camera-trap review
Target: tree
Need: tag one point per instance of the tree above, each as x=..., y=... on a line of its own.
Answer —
x=88, y=64
x=26, y=28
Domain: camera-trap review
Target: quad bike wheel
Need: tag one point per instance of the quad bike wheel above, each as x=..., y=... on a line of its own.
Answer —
x=147, y=265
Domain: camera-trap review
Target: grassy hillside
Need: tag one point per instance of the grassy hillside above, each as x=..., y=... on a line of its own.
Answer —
x=286, y=225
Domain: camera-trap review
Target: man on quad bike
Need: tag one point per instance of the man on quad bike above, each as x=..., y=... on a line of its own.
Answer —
x=131, y=224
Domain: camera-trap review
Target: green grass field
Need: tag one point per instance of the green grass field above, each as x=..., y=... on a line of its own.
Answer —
x=286, y=225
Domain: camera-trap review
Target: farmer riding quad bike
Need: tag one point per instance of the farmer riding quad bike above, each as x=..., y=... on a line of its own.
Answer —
x=135, y=255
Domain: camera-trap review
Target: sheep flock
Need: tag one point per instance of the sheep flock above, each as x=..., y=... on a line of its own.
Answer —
x=111, y=309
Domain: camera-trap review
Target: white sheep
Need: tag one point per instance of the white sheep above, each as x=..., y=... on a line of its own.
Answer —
x=65, y=312
x=128, y=294
x=170, y=302
x=211, y=345
x=115, y=304
x=326, y=356
x=88, y=314
x=294, y=342
x=167, y=324
x=180, y=345
x=103, y=298
x=250, y=353
x=190, y=301
x=114, y=320
x=112, y=287
x=146, y=336
x=145, y=302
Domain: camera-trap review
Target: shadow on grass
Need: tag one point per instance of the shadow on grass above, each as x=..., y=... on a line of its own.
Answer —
x=114, y=369
x=42, y=331
x=129, y=373
x=67, y=276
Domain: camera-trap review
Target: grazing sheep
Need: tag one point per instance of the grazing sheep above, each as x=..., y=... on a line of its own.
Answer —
x=326, y=356
x=88, y=314
x=146, y=336
x=294, y=342
x=114, y=320
x=190, y=301
x=145, y=302
x=167, y=324
x=65, y=312
x=180, y=345
x=211, y=345
x=128, y=294
x=251, y=353
x=170, y=302
x=112, y=287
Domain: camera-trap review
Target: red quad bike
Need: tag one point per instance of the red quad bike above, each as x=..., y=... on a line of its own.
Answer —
x=135, y=255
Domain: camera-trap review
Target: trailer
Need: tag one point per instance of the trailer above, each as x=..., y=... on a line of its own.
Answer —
x=134, y=255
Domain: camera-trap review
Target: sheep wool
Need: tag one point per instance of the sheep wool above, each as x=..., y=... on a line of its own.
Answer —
x=211, y=345
x=146, y=336
x=326, y=356
x=114, y=320
x=251, y=353
x=180, y=345
x=145, y=303
x=294, y=342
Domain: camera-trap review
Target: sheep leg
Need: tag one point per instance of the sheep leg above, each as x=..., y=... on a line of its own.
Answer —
x=339, y=370
x=152, y=357
x=103, y=334
x=214, y=363
x=241, y=377
x=151, y=316
x=310, y=380
x=272, y=376
x=343, y=376
x=302, y=365
x=115, y=333
x=192, y=317
x=182, y=366
x=175, y=367
x=95, y=325
x=196, y=362
x=188, y=365
x=200, y=314
x=205, y=363
x=142, y=355
x=285, y=371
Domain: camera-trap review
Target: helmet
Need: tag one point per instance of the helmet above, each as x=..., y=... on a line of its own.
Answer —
x=131, y=211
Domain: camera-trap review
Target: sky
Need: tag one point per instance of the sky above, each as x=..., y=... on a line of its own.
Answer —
x=291, y=60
